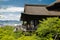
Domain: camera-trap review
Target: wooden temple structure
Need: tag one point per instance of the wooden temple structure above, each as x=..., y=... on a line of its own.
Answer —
x=33, y=13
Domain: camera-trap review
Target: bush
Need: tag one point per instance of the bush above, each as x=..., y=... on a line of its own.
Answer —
x=7, y=33
x=18, y=34
x=6, y=37
x=33, y=37
x=7, y=30
x=48, y=28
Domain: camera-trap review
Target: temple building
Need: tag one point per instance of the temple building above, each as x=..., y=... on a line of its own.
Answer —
x=33, y=13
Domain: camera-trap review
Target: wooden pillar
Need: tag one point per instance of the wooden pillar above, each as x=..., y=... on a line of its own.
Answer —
x=34, y=23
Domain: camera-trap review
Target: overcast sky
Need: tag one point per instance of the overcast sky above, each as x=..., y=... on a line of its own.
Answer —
x=11, y=9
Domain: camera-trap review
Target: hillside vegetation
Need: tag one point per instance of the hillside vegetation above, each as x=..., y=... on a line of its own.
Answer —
x=48, y=29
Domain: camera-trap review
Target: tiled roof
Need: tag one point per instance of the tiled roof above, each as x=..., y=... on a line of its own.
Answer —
x=42, y=9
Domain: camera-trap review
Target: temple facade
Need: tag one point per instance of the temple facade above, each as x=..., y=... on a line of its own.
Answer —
x=33, y=13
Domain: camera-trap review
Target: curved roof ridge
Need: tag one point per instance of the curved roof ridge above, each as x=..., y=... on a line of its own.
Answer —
x=43, y=5
x=54, y=2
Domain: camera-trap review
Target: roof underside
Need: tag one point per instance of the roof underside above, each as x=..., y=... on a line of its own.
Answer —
x=55, y=7
x=28, y=17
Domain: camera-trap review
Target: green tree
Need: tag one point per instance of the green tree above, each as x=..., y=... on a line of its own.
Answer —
x=7, y=33
x=49, y=28
x=6, y=37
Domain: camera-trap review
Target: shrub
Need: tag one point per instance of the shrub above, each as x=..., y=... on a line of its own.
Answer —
x=33, y=37
x=7, y=30
x=48, y=28
x=18, y=34
x=7, y=33
x=11, y=28
x=6, y=37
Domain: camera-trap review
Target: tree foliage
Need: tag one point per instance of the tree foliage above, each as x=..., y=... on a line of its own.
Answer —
x=33, y=37
x=7, y=33
x=49, y=28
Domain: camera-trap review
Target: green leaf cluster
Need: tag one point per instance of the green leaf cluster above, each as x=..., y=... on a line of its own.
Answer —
x=33, y=37
x=48, y=28
x=7, y=33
